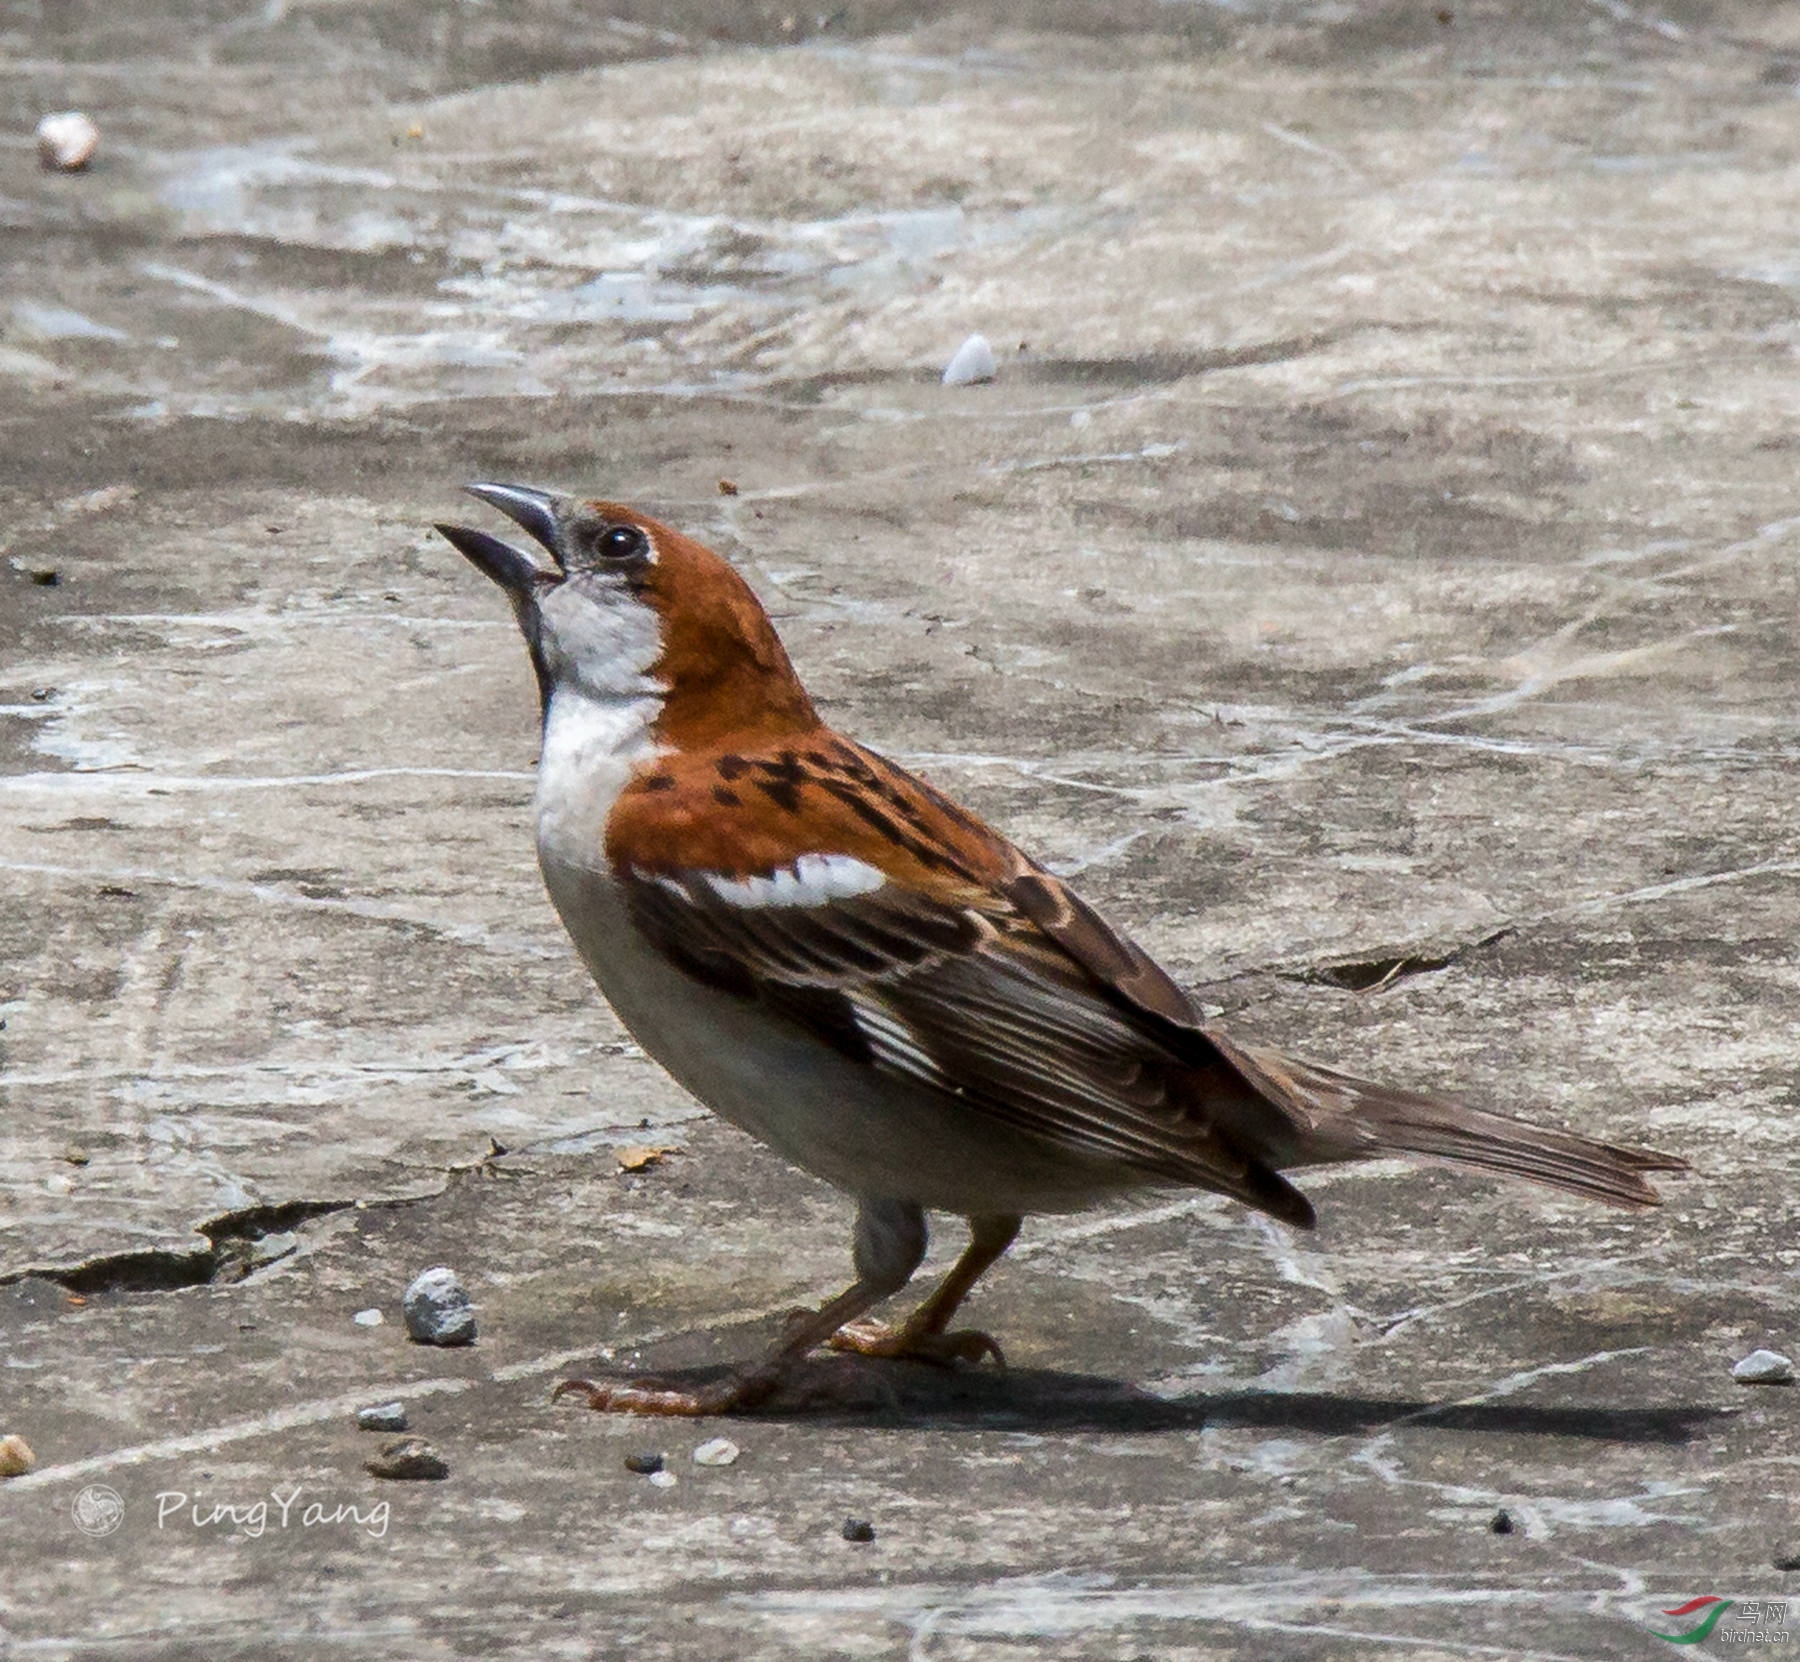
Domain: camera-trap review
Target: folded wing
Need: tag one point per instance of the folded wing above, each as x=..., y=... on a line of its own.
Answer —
x=849, y=897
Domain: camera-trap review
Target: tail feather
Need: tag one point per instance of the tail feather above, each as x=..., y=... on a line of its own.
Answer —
x=1337, y=1117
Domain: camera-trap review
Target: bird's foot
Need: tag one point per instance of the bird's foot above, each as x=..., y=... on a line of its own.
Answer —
x=870, y=1338
x=652, y=1396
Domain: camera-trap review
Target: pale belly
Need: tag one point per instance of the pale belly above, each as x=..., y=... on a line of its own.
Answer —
x=864, y=1132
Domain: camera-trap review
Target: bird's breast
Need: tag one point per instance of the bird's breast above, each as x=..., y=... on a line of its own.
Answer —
x=591, y=748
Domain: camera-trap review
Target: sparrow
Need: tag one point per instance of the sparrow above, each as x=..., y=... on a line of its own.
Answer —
x=832, y=955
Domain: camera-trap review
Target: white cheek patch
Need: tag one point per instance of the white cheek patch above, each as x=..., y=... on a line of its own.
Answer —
x=812, y=880
x=598, y=637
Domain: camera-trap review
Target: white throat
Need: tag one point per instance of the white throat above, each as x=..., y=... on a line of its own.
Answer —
x=600, y=722
x=591, y=746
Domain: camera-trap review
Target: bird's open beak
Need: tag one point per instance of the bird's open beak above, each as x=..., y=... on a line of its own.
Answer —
x=513, y=569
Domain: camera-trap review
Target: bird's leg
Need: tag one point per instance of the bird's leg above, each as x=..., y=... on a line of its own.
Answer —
x=890, y=1242
x=922, y=1335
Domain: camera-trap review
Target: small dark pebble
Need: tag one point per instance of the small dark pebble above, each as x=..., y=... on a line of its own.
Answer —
x=42, y=695
x=650, y=1460
x=858, y=1529
x=1502, y=1522
x=384, y=1416
x=1787, y=1558
x=46, y=577
x=410, y=1459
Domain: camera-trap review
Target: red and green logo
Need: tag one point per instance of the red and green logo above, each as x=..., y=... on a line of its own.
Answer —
x=1714, y=1607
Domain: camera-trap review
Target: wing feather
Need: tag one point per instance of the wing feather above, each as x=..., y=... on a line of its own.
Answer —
x=974, y=1003
x=852, y=898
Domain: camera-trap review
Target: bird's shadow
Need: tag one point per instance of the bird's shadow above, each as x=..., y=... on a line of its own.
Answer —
x=846, y=1392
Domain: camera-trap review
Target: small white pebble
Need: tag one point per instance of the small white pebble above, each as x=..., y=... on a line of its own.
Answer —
x=662, y=1480
x=721, y=1451
x=367, y=1318
x=974, y=361
x=16, y=1458
x=1764, y=1367
x=385, y=1416
x=67, y=141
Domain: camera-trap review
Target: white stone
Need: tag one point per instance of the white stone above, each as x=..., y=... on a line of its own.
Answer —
x=1764, y=1367
x=67, y=141
x=720, y=1451
x=367, y=1318
x=974, y=361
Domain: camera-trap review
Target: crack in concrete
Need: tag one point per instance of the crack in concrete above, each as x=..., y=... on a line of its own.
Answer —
x=228, y=1240
x=1373, y=974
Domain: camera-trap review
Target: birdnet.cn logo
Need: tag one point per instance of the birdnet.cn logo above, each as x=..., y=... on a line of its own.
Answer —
x=1752, y=1621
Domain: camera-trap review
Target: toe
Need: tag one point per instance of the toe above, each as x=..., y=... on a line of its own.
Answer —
x=649, y=1396
x=867, y=1338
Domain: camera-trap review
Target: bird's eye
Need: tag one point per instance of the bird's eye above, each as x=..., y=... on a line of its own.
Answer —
x=621, y=542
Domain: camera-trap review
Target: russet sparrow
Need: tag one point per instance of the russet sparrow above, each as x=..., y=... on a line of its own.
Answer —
x=835, y=957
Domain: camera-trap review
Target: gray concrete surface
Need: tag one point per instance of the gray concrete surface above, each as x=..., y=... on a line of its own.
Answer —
x=1373, y=572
